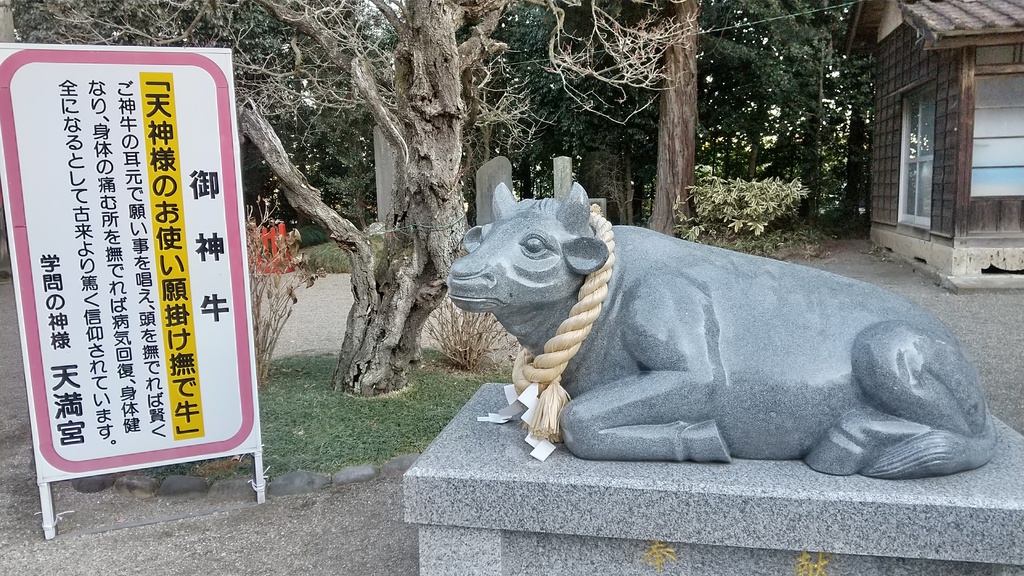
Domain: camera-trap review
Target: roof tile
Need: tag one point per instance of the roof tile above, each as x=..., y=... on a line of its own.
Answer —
x=944, y=16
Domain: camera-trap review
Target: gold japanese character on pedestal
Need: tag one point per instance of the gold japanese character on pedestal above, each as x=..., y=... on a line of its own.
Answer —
x=658, y=554
x=807, y=565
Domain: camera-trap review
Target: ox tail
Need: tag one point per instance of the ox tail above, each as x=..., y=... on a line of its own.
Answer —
x=935, y=453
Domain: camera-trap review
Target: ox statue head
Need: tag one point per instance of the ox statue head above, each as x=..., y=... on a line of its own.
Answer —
x=536, y=252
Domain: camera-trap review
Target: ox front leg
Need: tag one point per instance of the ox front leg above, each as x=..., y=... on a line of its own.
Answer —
x=652, y=416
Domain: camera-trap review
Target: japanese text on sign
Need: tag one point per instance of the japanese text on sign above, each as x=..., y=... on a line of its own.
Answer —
x=169, y=232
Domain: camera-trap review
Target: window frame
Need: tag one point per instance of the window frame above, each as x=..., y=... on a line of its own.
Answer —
x=917, y=97
x=981, y=74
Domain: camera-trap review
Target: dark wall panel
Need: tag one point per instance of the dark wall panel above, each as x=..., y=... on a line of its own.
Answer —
x=901, y=64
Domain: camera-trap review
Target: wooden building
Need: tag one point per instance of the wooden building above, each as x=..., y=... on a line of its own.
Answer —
x=948, y=145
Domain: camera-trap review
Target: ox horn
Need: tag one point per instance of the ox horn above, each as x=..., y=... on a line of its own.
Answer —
x=574, y=213
x=503, y=204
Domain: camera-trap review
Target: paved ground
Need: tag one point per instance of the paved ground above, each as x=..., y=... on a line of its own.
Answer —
x=357, y=529
x=317, y=323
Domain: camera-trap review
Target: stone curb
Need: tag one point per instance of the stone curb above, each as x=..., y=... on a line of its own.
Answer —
x=178, y=487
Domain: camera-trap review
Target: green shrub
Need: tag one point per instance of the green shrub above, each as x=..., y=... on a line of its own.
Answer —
x=753, y=217
x=801, y=242
x=740, y=207
x=313, y=235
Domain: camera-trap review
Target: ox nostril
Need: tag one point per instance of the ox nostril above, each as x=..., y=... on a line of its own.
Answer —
x=462, y=274
x=476, y=277
x=482, y=278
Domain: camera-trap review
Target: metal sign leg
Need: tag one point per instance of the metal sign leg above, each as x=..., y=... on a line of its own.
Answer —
x=46, y=503
x=259, y=482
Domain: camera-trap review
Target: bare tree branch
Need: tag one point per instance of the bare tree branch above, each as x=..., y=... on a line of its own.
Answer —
x=363, y=78
x=503, y=104
x=307, y=23
x=480, y=45
x=475, y=10
x=622, y=56
x=191, y=27
x=350, y=54
x=301, y=195
x=388, y=11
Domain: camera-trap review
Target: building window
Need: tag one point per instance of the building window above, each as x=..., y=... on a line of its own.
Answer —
x=996, y=55
x=998, y=167
x=918, y=143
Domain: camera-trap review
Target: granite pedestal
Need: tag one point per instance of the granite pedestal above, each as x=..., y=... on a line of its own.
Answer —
x=484, y=506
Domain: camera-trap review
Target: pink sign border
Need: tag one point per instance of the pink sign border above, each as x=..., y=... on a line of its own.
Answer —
x=19, y=235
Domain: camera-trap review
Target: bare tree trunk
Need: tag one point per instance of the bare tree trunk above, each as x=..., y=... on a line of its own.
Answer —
x=755, y=149
x=677, y=124
x=627, y=192
x=524, y=177
x=429, y=220
x=306, y=200
x=858, y=173
x=395, y=293
x=390, y=301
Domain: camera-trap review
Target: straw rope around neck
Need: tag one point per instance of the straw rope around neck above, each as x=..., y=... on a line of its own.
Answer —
x=546, y=369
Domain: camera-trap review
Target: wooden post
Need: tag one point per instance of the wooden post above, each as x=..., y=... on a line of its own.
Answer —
x=965, y=145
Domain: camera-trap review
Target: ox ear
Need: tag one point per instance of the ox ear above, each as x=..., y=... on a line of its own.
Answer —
x=473, y=238
x=585, y=255
x=574, y=213
x=503, y=204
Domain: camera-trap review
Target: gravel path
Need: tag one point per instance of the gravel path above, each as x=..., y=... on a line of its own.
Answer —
x=317, y=323
x=356, y=529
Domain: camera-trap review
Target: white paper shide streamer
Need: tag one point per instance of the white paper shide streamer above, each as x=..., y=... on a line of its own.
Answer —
x=528, y=400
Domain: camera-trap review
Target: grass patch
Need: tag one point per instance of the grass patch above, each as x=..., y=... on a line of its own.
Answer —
x=212, y=470
x=309, y=426
x=313, y=235
x=328, y=257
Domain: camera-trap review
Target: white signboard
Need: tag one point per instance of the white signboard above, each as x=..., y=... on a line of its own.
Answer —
x=122, y=183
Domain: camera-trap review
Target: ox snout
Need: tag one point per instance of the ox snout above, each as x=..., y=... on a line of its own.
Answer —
x=472, y=289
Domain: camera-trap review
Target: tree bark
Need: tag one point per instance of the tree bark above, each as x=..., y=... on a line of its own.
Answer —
x=755, y=149
x=524, y=177
x=391, y=298
x=627, y=192
x=395, y=292
x=858, y=173
x=429, y=221
x=677, y=126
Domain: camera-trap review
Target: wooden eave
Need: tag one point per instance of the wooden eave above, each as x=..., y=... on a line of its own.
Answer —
x=969, y=31
x=862, y=33
x=961, y=38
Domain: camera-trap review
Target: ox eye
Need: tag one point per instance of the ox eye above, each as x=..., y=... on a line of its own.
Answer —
x=534, y=246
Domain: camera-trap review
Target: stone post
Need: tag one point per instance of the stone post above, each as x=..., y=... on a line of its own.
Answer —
x=563, y=176
x=384, y=167
x=488, y=176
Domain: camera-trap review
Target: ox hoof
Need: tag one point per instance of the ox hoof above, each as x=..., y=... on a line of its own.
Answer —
x=836, y=454
x=703, y=443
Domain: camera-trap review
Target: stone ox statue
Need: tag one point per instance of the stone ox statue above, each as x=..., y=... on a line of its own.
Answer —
x=705, y=354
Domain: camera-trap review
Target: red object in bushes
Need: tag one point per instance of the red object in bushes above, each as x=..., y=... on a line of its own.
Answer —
x=280, y=261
